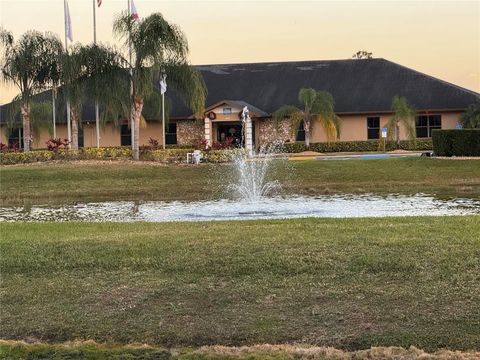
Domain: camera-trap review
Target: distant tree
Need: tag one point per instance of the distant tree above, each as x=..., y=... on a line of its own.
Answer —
x=158, y=49
x=470, y=119
x=28, y=63
x=403, y=114
x=318, y=106
x=41, y=118
x=105, y=69
x=362, y=54
x=72, y=75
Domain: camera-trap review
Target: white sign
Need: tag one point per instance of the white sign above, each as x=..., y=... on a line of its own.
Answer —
x=384, y=132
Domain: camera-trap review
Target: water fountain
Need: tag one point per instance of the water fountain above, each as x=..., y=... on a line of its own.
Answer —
x=251, y=183
x=251, y=175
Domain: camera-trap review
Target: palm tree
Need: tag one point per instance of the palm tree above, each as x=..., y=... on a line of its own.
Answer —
x=29, y=63
x=105, y=70
x=72, y=88
x=158, y=48
x=318, y=106
x=403, y=114
x=470, y=119
x=41, y=118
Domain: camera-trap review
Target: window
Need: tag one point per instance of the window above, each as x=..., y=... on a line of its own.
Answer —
x=171, y=134
x=373, y=127
x=16, y=138
x=426, y=123
x=80, y=137
x=227, y=110
x=125, y=136
x=300, y=132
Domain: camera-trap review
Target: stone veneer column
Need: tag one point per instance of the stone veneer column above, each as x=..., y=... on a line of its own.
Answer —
x=208, y=131
x=249, y=136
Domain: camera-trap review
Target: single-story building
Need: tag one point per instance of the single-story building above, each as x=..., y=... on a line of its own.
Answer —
x=362, y=89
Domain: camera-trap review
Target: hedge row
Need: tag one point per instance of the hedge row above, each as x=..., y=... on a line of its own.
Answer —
x=175, y=155
x=106, y=153
x=456, y=142
x=114, y=153
x=358, y=146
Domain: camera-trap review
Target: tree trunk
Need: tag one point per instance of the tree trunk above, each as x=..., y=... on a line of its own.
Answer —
x=27, y=139
x=136, y=137
x=306, y=127
x=397, y=134
x=73, y=117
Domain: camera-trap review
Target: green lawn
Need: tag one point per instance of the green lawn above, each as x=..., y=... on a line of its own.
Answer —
x=348, y=283
x=67, y=182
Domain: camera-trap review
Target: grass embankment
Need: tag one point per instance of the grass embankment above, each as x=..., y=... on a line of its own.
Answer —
x=347, y=283
x=93, y=351
x=79, y=181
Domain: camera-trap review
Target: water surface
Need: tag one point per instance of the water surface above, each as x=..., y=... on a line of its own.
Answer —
x=327, y=206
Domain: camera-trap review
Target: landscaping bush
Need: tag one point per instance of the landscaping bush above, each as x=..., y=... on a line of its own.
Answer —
x=107, y=153
x=10, y=158
x=359, y=146
x=167, y=155
x=456, y=142
x=221, y=156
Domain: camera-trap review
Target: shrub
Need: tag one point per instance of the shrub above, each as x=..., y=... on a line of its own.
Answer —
x=10, y=158
x=167, y=155
x=56, y=144
x=221, y=156
x=358, y=146
x=9, y=147
x=456, y=142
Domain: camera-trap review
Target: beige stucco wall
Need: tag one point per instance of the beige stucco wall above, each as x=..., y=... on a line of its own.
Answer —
x=153, y=130
x=3, y=134
x=354, y=127
x=229, y=117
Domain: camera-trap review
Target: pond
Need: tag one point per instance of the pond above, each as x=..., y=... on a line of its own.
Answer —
x=276, y=207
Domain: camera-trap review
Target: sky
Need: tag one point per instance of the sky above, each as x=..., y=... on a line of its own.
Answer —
x=436, y=37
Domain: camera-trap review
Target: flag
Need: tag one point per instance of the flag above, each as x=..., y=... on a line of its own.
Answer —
x=99, y=2
x=133, y=11
x=68, y=23
x=163, y=84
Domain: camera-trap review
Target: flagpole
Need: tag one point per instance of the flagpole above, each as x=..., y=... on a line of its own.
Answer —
x=97, y=123
x=69, y=129
x=54, y=114
x=163, y=119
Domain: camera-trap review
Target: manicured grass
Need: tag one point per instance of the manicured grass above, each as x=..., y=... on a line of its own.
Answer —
x=80, y=181
x=348, y=283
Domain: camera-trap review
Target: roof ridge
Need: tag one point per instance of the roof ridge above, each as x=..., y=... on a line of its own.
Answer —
x=285, y=62
x=435, y=78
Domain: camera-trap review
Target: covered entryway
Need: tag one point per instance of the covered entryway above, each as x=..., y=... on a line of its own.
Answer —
x=223, y=124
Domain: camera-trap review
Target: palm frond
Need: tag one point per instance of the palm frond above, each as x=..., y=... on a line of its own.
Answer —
x=390, y=125
x=286, y=111
x=470, y=119
x=307, y=98
x=323, y=111
x=405, y=114
x=41, y=118
x=189, y=85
